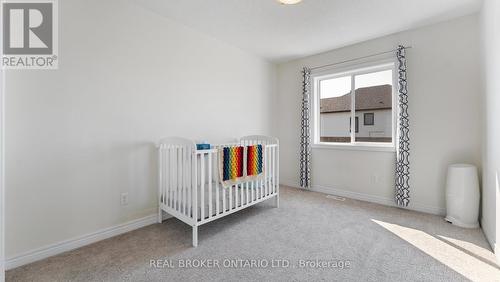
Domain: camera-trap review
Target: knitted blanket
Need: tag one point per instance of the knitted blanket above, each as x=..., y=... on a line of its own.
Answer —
x=238, y=164
x=254, y=160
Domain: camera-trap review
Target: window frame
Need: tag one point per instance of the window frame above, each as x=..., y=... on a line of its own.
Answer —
x=350, y=126
x=353, y=70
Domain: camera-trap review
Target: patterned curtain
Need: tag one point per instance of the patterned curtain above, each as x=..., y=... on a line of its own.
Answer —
x=403, y=135
x=305, y=133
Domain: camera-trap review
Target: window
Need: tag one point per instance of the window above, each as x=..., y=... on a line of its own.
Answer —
x=365, y=93
x=368, y=119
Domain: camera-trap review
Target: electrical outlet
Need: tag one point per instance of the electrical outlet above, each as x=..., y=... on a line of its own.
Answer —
x=375, y=178
x=124, y=199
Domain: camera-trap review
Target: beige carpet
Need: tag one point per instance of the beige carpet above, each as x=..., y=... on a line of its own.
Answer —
x=377, y=243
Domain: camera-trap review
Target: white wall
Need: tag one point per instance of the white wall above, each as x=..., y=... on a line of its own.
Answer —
x=79, y=136
x=444, y=85
x=490, y=41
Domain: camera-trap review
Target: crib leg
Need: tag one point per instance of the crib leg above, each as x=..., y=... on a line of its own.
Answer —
x=160, y=215
x=195, y=236
x=277, y=199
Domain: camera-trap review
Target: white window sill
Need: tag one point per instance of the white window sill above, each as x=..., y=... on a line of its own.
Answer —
x=355, y=147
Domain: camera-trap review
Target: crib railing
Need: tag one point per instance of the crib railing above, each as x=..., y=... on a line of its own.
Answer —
x=220, y=201
x=190, y=187
x=176, y=173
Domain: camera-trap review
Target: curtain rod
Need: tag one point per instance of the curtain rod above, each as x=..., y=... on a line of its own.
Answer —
x=359, y=58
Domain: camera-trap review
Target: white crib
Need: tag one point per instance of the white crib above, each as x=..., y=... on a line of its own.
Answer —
x=190, y=188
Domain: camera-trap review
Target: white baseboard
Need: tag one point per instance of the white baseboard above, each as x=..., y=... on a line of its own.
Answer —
x=495, y=246
x=289, y=183
x=80, y=241
x=497, y=252
x=353, y=195
x=369, y=198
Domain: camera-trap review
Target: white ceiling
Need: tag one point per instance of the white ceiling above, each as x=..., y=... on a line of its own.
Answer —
x=283, y=32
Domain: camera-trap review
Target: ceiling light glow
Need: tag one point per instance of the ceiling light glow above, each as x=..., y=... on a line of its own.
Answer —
x=289, y=2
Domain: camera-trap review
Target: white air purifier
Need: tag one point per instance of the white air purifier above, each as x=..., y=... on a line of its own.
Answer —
x=462, y=196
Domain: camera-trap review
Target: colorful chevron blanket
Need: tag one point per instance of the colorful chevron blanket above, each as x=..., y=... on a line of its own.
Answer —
x=238, y=164
x=254, y=160
x=232, y=159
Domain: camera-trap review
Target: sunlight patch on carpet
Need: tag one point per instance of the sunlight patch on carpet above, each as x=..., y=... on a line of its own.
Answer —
x=462, y=260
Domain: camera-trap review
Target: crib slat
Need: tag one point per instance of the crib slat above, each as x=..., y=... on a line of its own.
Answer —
x=269, y=175
x=263, y=178
x=271, y=169
x=182, y=180
x=202, y=187
x=261, y=185
x=241, y=194
x=261, y=194
x=166, y=169
x=274, y=169
x=172, y=177
x=187, y=175
x=194, y=188
x=256, y=189
x=178, y=152
x=183, y=187
x=173, y=188
x=246, y=192
x=236, y=195
x=175, y=177
x=175, y=174
x=217, y=179
x=166, y=179
x=190, y=181
x=223, y=199
x=180, y=175
x=257, y=182
x=161, y=176
x=252, y=191
x=230, y=197
x=277, y=157
x=169, y=175
x=269, y=153
x=245, y=144
x=209, y=185
x=267, y=170
x=265, y=160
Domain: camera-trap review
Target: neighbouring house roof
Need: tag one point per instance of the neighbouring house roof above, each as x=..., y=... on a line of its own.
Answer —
x=368, y=98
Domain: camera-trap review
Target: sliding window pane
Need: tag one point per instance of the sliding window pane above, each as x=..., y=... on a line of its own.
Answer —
x=335, y=110
x=373, y=102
